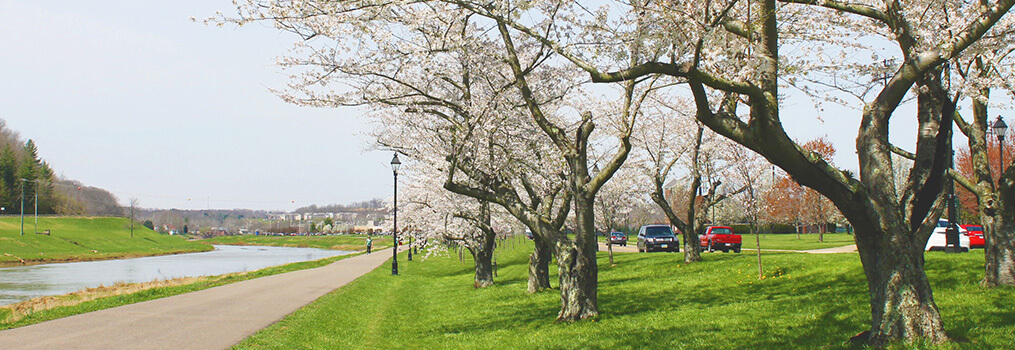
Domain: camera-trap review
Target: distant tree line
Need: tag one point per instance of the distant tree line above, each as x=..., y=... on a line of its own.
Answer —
x=24, y=176
x=375, y=204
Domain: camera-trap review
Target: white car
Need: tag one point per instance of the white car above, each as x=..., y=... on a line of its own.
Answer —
x=938, y=241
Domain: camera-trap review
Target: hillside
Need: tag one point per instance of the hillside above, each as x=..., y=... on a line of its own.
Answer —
x=27, y=180
x=81, y=239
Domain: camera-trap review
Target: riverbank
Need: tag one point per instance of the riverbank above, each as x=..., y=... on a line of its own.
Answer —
x=92, y=299
x=334, y=242
x=73, y=239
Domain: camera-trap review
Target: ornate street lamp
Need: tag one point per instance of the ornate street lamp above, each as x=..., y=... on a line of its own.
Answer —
x=1000, y=128
x=395, y=164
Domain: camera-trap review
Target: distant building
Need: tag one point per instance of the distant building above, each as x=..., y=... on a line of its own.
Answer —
x=215, y=232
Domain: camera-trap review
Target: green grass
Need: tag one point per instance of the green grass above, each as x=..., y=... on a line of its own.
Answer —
x=337, y=242
x=77, y=238
x=647, y=301
x=156, y=293
x=790, y=241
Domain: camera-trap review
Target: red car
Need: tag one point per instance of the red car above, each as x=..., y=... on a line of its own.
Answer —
x=975, y=234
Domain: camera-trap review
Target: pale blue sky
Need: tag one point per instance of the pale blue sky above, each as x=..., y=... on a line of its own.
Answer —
x=133, y=97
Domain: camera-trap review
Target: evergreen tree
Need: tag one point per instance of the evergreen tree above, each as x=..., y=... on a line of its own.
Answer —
x=48, y=201
x=28, y=173
x=10, y=190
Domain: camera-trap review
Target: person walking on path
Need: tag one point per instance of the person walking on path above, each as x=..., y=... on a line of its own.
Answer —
x=370, y=243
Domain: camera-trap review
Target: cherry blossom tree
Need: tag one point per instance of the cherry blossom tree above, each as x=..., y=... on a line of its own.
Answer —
x=440, y=216
x=456, y=83
x=680, y=161
x=616, y=201
x=749, y=170
x=986, y=67
x=733, y=48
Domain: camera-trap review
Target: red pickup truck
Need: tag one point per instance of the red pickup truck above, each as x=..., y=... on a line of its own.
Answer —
x=720, y=238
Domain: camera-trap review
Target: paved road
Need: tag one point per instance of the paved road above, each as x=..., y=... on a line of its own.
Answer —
x=631, y=248
x=844, y=249
x=214, y=318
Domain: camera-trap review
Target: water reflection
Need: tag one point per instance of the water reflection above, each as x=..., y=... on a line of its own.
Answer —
x=26, y=282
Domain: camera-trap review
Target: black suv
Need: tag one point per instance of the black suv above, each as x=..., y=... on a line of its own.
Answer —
x=657, y=237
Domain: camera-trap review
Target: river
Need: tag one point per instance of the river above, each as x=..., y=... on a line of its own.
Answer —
x=26, y=282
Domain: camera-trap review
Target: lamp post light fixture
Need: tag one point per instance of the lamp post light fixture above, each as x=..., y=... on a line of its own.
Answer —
x=1000, y=128
x=395, y=164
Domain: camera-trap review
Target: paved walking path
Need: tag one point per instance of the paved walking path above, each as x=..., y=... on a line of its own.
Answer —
x=214, y=318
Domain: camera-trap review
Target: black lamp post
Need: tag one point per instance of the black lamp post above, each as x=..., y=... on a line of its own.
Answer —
x=395, y=164
x=1000, y=128
x=952, y=244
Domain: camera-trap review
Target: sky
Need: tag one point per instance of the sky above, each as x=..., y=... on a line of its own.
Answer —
x=135, y=98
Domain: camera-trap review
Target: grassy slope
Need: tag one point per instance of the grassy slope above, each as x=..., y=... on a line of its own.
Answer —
x=74, y=238
x=646, y=301
x=338, y=242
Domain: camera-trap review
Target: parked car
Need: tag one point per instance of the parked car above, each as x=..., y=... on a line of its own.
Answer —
x=618, y=238
x=938, y=239
x=528, y=234
x=657, y=237
x=975, y=234
x=720, y=238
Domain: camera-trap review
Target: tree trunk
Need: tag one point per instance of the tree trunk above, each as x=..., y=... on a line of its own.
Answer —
x=484, y=267
x=692, y=247
x=757, y=240
x=539, y=265
x=483, y=256
x=998, y=232
x=902, y=304
x=609, y=247
x=579, y=270
x=993, y=200
x=578, y=285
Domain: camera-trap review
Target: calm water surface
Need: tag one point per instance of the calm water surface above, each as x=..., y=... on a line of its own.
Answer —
x=27, y=282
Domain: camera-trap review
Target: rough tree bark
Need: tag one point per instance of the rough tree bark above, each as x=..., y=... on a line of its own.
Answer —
x=539, y=264
x=482, y=246
x=997, y=216
x=578, y=268
x=483, y=256
x=1000, y=240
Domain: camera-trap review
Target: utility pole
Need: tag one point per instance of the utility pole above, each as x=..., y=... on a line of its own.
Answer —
x=23, y=206
x=36, y=208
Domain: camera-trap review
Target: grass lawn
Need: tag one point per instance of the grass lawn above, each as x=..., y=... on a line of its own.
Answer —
x=80, y=238
x=789, y=241
x=336, y=242
x=647, y=301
